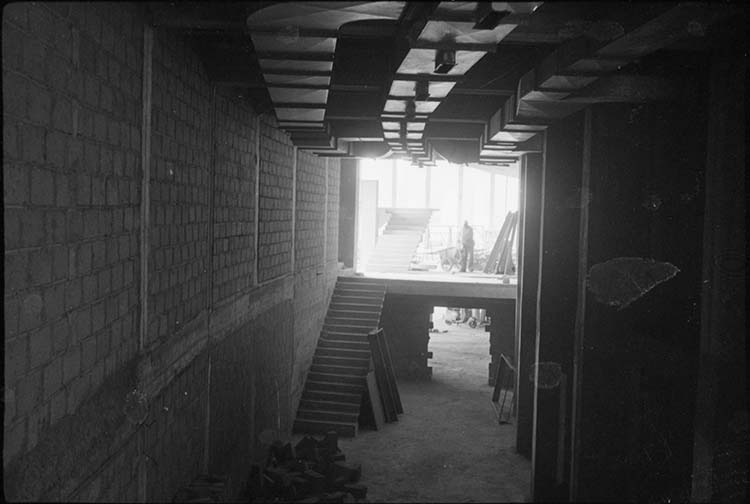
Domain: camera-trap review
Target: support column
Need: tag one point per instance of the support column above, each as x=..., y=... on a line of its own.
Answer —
x=258, y=124
x=460, y=201
x=722, y=379
x=347, y=212
x=427, y=190
x=562, y=200
x=492, y=199
x=528, y=278
x=394, y=184
x=294, y=207
x=148, y=44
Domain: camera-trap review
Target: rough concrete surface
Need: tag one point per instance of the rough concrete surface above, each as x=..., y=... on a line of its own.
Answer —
x=447, y=445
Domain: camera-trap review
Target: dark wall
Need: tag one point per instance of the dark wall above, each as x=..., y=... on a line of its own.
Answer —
x=638, y=375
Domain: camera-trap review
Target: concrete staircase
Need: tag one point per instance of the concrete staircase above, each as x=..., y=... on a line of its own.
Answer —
x=337, y=379
x=396, y=246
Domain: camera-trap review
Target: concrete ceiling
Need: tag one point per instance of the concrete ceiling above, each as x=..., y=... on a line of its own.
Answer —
x=359, y=79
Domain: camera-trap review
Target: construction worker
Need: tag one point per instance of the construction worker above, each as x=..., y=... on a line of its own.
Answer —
x=467, y=243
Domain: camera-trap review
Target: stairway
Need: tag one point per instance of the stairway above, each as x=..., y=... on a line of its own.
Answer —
x=337, y=379
x=396, y=246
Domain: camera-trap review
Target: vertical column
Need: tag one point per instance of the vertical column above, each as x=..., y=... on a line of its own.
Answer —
x=148, y=44
x=556, y=305
x=427, y=190
x=210, y=297
x=528, y=278
x=211, y=205
x=394, y=184
x=256, y=275
x=347, y=211
x=460, y=198
x=583, y=238
x=491, y=220
x=294, y=205
x=722, y=379
x=325, y=218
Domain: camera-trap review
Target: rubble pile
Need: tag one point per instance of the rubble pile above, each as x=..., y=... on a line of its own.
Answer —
x=312, y=471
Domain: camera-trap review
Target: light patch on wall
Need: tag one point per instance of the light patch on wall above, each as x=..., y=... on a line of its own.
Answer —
x=550, y=374
x=620, y=281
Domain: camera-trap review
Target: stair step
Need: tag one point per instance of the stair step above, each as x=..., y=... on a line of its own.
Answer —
x=327, y=416
x=309, y=404
x=348, y=328
x=340, y=305
x=342, y=345
x=353, y=315
x=348, y=291
x=326, y=386
x=330, y=396
x=324, y=351
x=349, y=321
x=356, y=364
x=349, y=371
x=345, y=336
x=316, y=427
x=337, y=379
x=360, y=282
x=368, y=301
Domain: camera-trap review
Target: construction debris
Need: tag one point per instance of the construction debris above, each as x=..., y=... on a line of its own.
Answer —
x=204, y=488
x=312, y=471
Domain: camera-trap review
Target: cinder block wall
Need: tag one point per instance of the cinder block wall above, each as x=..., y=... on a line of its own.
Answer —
x=236, y=285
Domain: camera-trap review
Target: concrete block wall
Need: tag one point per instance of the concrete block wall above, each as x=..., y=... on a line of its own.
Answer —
x=71, y=121
x=234, y=198
x=275, y=241
x=217, y=326
x=179, y=189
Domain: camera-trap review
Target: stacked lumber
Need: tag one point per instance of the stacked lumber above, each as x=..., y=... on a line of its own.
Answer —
x=504, y=388
x=500, y=260
x=312, y=471
x=382, y=386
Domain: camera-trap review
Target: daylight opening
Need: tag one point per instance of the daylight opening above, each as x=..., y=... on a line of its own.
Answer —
x=425, y=219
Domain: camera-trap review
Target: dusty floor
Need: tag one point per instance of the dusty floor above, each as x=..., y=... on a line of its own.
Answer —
x=447, y=446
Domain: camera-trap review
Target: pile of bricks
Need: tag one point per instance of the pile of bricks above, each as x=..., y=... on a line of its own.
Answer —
x=313, y=471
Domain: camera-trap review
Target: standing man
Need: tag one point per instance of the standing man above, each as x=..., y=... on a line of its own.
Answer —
x=467, y=242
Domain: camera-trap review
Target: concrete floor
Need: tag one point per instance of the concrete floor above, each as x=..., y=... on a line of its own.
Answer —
x=447, y=446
